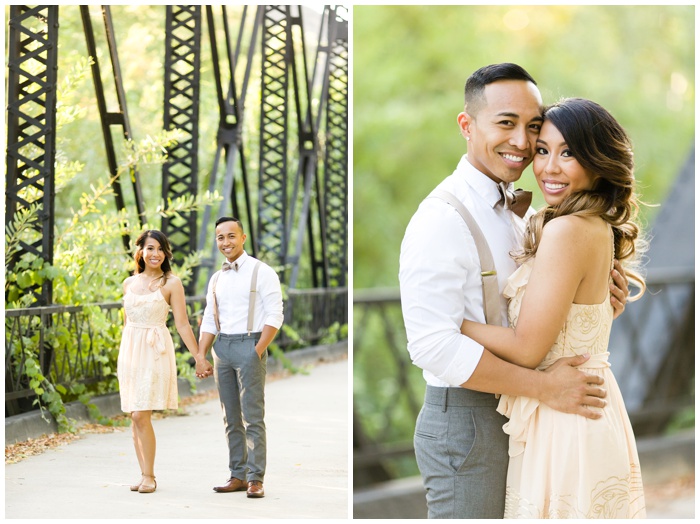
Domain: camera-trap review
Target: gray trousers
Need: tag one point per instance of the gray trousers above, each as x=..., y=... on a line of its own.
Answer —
x=240, y=379
x=462, y=454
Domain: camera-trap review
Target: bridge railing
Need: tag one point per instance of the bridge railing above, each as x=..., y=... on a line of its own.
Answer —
x=652, y=356
x=80, y=344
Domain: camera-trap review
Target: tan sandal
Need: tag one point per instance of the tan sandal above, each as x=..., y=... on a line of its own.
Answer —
x=135, y=487
x=148, y=489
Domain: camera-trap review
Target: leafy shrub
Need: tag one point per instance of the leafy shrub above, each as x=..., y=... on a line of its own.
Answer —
x=89, y=267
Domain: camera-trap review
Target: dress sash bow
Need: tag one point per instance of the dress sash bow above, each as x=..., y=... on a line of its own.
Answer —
x=154, y=339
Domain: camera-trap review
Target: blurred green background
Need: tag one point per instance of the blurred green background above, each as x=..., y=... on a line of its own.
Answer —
x=410, y=65
x=409, y=68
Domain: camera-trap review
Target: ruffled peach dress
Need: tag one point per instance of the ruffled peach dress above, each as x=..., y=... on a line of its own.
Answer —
x=563, y=465
x=146, y=366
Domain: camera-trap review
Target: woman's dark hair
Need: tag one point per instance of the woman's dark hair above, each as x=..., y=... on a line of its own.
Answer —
x=159, y=237
x=599, y=143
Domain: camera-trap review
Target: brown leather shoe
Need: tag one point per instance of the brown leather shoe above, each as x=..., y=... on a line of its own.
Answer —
x=233, y=484
x=255, y=490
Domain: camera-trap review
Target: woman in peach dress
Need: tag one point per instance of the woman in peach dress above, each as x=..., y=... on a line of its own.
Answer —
x=563, y=465
x=146, y=365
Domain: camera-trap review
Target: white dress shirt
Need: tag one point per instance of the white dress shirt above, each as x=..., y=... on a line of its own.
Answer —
x=440, y=274
x=233, y=293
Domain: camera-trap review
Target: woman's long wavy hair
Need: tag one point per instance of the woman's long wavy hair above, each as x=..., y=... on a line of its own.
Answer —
x=602, y=147
x=159, y=237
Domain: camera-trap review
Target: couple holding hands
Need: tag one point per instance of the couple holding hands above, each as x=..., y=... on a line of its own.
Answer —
x=244, y=308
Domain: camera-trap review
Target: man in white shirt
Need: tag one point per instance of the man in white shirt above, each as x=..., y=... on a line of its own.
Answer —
x=461, y=449
x=244, y=307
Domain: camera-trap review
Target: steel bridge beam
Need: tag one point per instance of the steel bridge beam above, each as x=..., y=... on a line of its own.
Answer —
x=336, y=160
x=318, y=197
x=229, y=141
x=277, y=53
x=183, y=29
x=31, y=123
x=292, y=213
x=308, y=163
x=119, y=117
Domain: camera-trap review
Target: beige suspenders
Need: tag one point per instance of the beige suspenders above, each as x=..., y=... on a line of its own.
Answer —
x=489, y=280
x=251, y=301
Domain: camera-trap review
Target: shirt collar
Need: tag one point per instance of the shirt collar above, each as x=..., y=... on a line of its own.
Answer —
x=479, y=182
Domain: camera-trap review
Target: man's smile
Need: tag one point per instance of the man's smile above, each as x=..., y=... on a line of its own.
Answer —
x=514, y=158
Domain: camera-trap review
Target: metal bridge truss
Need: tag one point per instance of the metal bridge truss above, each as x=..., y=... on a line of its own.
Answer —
x=118, y=117
x=183, y=30
x=336, y=187
x=231, y=99
x=293, y=201
x=31, y=143
x=293, y=204
x=31, y=120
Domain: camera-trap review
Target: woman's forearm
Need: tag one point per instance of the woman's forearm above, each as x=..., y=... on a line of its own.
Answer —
x=187, y=336
x=502, y=342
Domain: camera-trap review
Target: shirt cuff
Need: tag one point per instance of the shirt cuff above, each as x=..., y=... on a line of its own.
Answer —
x=275, y=321
x=208, y=327
x=463, y=364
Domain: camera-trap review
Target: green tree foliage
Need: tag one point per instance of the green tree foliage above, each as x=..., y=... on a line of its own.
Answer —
x=89, y=261
x=410, y=64
x=87, y=243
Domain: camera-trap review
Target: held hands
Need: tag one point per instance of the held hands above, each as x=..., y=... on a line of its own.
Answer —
x=572, y=391
x=203, y=368
x=619, y=289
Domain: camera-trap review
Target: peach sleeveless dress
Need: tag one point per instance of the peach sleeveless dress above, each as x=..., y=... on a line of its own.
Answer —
x=563, y=465
x=146, y=366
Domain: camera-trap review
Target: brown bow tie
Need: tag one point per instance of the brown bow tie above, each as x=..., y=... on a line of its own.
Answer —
x=517, y=201
x=229, y=265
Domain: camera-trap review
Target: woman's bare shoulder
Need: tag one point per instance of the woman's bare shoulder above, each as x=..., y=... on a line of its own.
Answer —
x=576, y=233
x=172, y=281
x=573, y=226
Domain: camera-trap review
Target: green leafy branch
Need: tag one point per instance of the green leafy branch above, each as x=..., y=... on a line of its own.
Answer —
x=19, y=226
x=48, y=396
x=184, y=270
x=187, y=204
x=149, y=150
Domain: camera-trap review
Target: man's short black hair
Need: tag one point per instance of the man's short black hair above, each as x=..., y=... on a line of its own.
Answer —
x=479, y=79
x=221, y=220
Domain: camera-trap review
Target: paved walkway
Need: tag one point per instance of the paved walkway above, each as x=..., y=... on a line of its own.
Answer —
x=307, y=475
